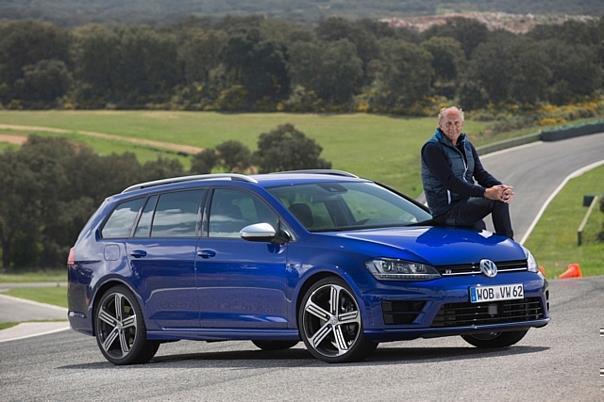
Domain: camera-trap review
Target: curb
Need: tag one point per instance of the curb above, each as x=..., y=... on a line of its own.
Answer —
x=557, y=134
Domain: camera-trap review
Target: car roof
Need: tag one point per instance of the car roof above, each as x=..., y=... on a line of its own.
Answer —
x=284, y=179
x=264, y=180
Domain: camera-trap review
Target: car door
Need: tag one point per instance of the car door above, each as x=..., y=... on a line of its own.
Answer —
x=162, y=255
x=240, y=283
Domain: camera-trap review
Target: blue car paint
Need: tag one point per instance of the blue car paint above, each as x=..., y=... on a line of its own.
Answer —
x=251, y=290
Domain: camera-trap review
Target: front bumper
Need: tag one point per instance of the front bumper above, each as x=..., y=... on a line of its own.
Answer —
x=438, y=300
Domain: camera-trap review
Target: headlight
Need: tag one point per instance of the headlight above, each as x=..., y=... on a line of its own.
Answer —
x=530, y=260
x=397, y=270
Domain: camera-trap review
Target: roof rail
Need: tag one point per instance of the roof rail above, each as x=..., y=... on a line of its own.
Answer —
x=212, y=176
x=334, y=172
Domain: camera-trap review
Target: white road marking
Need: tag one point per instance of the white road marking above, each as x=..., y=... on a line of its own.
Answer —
x=574, y=174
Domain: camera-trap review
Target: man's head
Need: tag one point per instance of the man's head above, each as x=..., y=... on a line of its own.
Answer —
x=450, y=121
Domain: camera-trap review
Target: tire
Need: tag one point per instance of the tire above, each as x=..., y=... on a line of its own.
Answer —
x=274, y=345
x=121, y=333
x=495, y=339
x=331, y=333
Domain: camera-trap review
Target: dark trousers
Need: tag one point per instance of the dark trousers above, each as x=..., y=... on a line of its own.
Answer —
x=470, y=213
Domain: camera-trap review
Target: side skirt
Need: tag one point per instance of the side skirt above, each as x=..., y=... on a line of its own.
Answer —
x=224, y=334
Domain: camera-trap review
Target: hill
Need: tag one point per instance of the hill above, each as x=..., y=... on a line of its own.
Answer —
x=74, y=12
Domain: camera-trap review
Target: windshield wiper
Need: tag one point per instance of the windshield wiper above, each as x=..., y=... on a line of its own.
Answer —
x=429, y=222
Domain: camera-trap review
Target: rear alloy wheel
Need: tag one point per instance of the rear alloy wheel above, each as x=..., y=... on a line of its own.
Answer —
x=330, y=323
x=274, y=345
x=120, y=329
x=495, y=339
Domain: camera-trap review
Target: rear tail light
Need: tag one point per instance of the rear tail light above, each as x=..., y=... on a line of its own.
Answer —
x=71, y=257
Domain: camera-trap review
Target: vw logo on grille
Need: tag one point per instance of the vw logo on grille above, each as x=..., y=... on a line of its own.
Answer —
x=488, y=268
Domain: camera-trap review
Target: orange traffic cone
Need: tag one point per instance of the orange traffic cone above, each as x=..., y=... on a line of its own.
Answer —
x=573, y=271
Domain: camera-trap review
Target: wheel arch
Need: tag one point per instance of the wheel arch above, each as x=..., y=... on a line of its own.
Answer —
x=101, y=290
x=316, y=276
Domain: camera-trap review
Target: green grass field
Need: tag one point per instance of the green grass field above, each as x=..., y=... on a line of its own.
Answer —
x=382, y=148
x=54, y=275
x=554, y=239
x=56, y=295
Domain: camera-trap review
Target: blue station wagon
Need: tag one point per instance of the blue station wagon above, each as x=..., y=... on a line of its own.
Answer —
x=323, y=256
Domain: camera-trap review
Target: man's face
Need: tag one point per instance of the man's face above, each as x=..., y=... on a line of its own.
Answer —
x=452, y=124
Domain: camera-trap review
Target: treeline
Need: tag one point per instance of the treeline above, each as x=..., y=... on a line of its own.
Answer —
x=76, y=12
x=261, y=64
x=50, y=187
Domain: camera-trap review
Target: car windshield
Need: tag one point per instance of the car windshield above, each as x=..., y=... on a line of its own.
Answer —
x=323, y=207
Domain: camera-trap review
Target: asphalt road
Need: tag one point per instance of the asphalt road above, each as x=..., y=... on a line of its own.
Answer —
x=559, y=362
x=537, y=170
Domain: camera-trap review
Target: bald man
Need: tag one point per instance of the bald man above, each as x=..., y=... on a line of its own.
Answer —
x=459, y=191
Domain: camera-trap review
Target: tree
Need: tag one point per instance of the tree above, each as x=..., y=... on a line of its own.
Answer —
x=95, y=52
x=447, y=57
x=26, y=43
x=469, y=32
x=332, y=70
x=204, y=161
x=200, y=52
x=404, y=76
x=234, y=156
x=258, y=65
x=146, y=70
x=472, y=95
x=161, y=168
x=286, y=148
x=364, y=40
x=575, y=71
x=492, y=67
x=531, y=72
x=340, y=72
x=44, y=81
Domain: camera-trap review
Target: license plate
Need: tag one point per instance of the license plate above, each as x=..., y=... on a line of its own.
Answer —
x=482, y=294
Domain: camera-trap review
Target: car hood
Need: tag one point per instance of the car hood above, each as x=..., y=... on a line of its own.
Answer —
x=442, y=245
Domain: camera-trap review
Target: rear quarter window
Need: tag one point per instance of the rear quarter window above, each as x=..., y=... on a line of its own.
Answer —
x=122, y=219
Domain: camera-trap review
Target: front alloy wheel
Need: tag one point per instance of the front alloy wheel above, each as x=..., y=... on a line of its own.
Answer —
x=330, y=323
x=120, y=329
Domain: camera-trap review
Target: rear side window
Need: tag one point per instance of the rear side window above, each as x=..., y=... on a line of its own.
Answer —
x=122, y=219
x=177, y=214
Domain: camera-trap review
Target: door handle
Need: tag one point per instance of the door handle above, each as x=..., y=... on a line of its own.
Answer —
x=206, y=253
x=138, y=253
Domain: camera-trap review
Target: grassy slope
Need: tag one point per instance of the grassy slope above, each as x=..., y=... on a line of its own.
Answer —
x=51, y=295
x=554, y=239
x=103, y=146
x=378, y=147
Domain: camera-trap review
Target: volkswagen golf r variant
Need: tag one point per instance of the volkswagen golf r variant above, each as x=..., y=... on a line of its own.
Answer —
x=323, y=256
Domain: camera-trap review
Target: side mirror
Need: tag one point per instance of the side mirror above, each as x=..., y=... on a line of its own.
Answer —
x=263, y=232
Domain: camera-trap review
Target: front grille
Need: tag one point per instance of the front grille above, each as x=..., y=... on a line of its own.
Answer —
x=469, y=269
x=401, y=312
x=464, y=314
